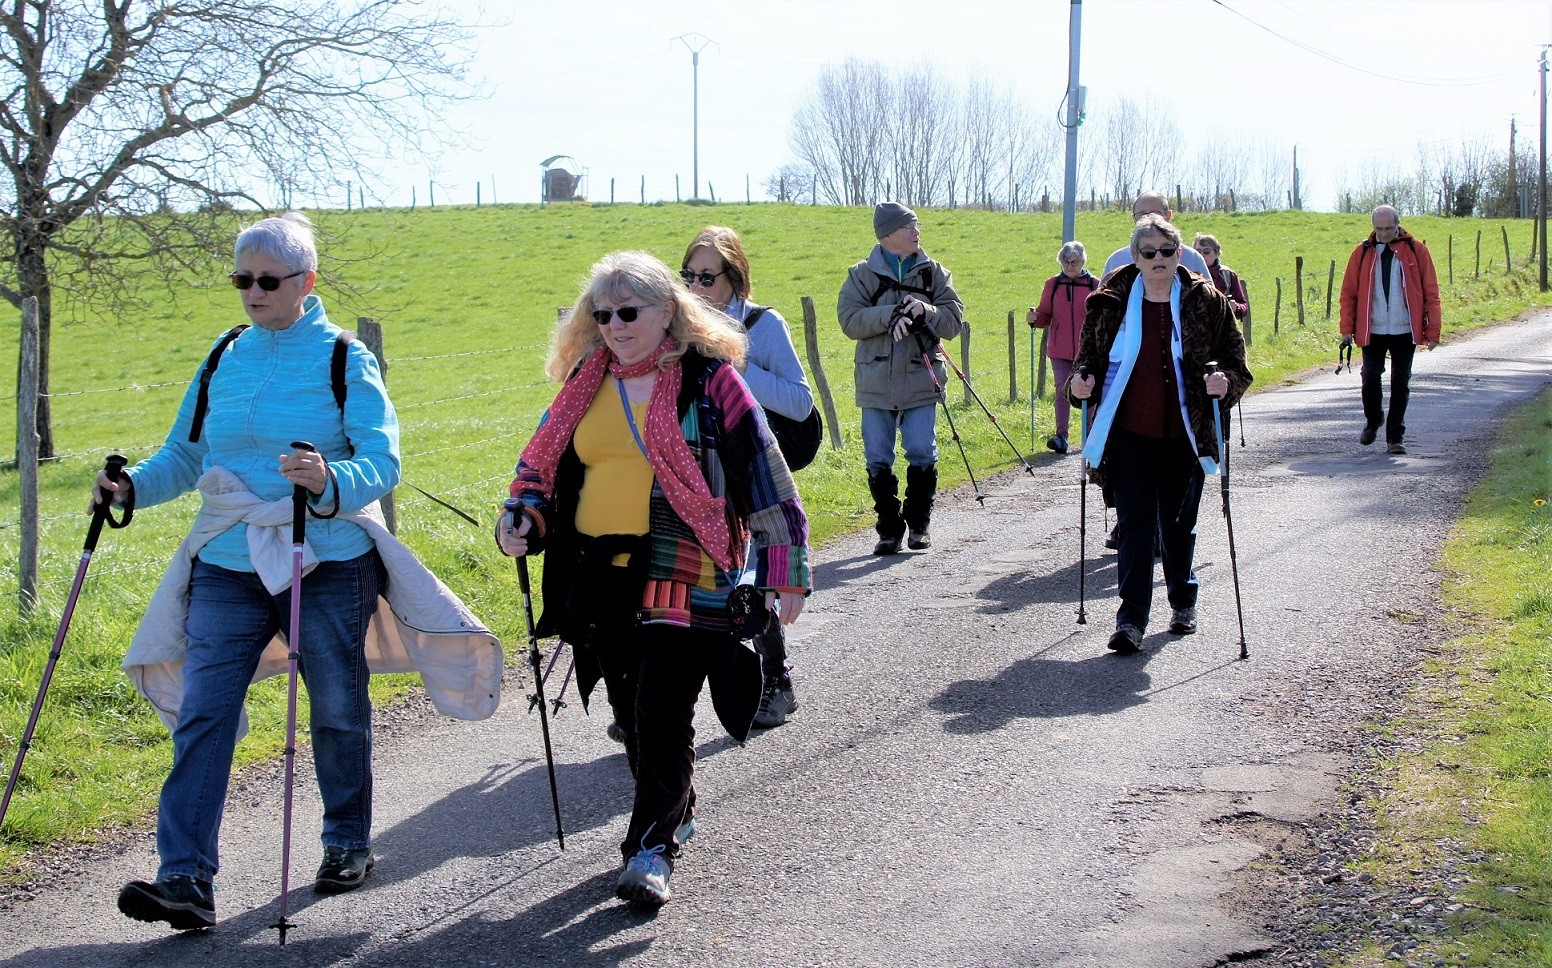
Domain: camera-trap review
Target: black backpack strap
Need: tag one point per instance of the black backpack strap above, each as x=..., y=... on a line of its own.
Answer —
x=752, y=315
x=202, y=401
x=337, y=366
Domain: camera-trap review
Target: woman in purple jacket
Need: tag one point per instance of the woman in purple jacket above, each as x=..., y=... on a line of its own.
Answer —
x=1061, y=308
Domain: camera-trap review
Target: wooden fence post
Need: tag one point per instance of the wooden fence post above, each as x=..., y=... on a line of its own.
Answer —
x=816, y=372
x=1508, y=266
x=371, y=333
x=1478, y=274
x=1452, y=260
x=1277, y=310
x=643, y=189
x=1298, y=284
x=964, y=363
x=1012, y=360
x=1330, y=282
x=27, y=456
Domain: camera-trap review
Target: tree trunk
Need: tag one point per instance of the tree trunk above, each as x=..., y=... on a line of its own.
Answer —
x=33, y=279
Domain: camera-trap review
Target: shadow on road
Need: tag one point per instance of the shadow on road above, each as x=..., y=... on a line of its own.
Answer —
x=1041, y=688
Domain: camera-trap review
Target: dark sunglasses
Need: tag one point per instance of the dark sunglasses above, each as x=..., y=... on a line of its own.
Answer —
x=706, y=279
x=627, y=314
x=1164, y=250
x=245, y=280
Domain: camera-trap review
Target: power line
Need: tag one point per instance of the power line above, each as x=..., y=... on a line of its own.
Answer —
x=1399, y=78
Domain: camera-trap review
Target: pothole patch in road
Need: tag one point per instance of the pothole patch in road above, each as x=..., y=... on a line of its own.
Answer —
x=1345, y=466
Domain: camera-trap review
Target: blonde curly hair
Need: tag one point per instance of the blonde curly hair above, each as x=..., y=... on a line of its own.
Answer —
x=625, y=276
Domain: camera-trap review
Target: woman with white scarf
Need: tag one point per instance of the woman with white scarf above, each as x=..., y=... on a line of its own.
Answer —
x=1148, y=337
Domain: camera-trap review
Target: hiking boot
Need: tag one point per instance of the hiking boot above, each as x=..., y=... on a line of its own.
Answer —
x=919, y=540
x=343, y=870
x=1127, y=640
x=888, y=546
x=1395, y=448
x=1110, y=540
x=644, y=881
x=183, y=902
x=1183, y=622
x=1057, y=443
x=1370, y=431
x=615, y=732
x=777, y=702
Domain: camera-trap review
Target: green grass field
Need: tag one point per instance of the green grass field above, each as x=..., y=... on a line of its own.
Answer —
x=467, y=298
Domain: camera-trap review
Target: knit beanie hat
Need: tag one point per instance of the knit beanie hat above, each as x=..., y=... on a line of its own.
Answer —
x=890, y=216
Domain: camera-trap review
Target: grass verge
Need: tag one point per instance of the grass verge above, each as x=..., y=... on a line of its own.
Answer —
x=1480, y=787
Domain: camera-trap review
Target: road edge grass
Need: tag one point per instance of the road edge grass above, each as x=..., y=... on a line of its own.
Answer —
x=1475, y=785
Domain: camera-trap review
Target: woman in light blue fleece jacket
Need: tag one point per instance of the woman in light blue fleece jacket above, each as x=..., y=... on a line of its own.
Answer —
x=273, y=385
x=716, y=269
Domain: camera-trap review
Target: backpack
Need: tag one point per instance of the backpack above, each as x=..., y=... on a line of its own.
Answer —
x=798, y=439
x=206, y=372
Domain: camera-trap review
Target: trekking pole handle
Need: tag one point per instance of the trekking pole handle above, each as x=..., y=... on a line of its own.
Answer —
x=102, y=511
x=299, y=500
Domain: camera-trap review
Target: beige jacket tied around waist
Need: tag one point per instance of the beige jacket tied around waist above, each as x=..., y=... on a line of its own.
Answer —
x=420, y=625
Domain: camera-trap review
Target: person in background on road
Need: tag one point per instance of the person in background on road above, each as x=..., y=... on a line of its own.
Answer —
x=898, y=304
x=716, y=269
x=1154, y=203
x=1224, y=279
x=647, y=477
x=211, y=627
x=1390, y=304
x=1062, y=305
x=1151, y=330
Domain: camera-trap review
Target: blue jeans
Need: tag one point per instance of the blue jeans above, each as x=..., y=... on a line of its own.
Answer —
x=918, y=436
x=231, y=618
x=1157, y=489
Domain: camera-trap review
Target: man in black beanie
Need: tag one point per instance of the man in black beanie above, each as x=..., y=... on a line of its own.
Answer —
x=897, y=304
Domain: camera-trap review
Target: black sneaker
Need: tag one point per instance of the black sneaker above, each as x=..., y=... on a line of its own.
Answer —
x=343, y=870
x=1110, y=540
x=615, y=732
x=1395, y=448
x=183, y=902
x=1370, y=431
x=1057, y=443
x=1183, y=622
x=1127, y=640
x=919, y=540
x=888, y=546
x=777, y=702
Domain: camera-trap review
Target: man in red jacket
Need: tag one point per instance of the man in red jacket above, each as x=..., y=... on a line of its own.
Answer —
x=1390, y=304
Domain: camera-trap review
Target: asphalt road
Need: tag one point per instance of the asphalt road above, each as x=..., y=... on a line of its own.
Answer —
x=971, y=779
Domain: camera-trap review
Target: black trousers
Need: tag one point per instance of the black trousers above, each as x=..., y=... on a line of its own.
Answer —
x=1158, y=489
x=652, y=690
x=1401, y=350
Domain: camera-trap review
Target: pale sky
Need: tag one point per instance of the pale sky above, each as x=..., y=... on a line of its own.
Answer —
x=605, y=81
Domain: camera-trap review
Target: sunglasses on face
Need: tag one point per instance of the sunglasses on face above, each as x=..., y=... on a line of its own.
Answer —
x=1163, y=251
x=705, y=279
x=245, y=280
x=627, y=314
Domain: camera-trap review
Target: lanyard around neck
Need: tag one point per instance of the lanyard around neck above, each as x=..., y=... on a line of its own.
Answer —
x=630, y=418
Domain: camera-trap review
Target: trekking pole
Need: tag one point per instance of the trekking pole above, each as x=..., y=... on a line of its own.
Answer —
x=101, y=512
x=1083, y=502
x=1031, y=388
x=926, y=358
x=1228, y=518
x=293, y=655
x=1028, y=467
x=533, y=662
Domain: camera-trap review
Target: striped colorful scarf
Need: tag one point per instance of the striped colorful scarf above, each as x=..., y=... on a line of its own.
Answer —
x=674, y=465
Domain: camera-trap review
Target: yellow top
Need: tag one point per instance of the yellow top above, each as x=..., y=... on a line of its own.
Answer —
x=616, y=479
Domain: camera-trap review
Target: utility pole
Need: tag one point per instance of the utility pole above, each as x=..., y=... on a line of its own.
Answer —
x=695, y=43
x=1541, y=179
x=1514, y=187
x=1074, y=119
x=1297, y=204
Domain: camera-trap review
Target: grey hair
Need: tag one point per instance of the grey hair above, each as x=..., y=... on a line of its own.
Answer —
x=1153, y=225
x=1073, y=248
x=287, y=239
x=1390, y=210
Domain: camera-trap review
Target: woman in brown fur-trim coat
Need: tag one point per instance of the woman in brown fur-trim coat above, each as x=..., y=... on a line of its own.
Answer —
x=1149, y=333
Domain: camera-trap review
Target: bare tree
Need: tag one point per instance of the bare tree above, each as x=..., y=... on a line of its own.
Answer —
x=1138, y=145
x=791, y=182
x=121, y=114
x=839, y=131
